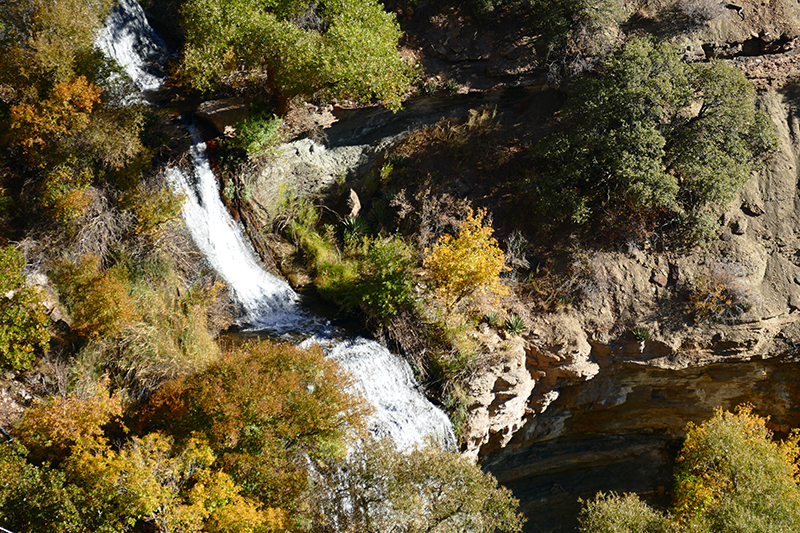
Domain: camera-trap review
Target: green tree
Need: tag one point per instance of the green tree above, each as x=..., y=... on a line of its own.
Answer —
x=632, y=143
x=377, y=488
x=342, y=48
x=23, y=320
x=466, y=264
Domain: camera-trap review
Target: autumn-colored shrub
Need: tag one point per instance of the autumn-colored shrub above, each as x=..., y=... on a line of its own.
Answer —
x=23, y=321
x=98, y=300
x=65, y=192
x=467, y=264
x=153, y=205
x=265, y=410
x=147, y=483
x=50, y=428
x=719, y=294
x=731, y=476
x=151, y=480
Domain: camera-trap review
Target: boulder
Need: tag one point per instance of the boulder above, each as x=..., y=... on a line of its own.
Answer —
x=223, y=114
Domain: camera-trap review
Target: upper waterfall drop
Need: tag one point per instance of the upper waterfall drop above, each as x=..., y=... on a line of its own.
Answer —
x=129, y=40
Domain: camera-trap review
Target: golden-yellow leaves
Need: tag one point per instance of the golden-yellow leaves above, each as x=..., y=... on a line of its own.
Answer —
x=467, y=264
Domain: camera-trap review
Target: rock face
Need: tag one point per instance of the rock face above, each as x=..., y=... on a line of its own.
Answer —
x=500, y=400
x=617, y=425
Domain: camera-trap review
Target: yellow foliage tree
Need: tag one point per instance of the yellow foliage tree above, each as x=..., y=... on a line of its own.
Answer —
x=49, y=428
x=467, y=264
x=151, y=480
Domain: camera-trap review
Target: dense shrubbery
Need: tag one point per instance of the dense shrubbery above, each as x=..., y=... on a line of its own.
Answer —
x=731, y=476
x=23, y=321
x=633, y=141
x=265, y=410
x=427, y=489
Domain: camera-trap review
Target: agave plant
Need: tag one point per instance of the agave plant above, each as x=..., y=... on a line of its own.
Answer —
x=515, y=325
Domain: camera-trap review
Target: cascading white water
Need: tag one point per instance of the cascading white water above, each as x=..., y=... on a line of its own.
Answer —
x=129, y=39
x=401, y=411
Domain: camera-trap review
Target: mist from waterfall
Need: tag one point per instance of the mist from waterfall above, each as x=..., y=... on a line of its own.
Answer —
x=401, y=411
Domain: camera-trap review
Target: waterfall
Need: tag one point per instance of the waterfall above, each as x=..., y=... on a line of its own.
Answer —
x=401, y=411
x=128, y=39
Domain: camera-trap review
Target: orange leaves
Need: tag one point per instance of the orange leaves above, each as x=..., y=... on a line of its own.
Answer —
x=469, y=263
x=65, y=113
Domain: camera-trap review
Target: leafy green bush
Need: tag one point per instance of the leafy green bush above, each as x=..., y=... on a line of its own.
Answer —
x=387, y=285
x=23, y=320
x=378, y=489
x=621, y=513
x=259, y=136
x=343, y=49
x=633, y=146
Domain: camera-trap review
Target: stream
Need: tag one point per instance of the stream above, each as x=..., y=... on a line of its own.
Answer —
x=269, y=305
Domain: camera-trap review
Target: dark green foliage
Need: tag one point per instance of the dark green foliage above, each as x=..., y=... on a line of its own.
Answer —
x=258, y=136
x=23, y=321
x=34, y=499
x=493, y=320
x=633, y=145
x=354, y=229
x=377, y=277
x=387, y=285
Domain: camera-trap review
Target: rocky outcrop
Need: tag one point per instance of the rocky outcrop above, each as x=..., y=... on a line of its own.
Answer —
x=617, y=424
x=223, y=114
x=499, y=398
